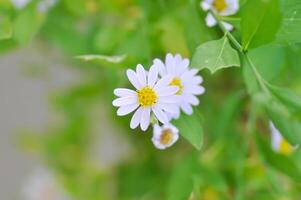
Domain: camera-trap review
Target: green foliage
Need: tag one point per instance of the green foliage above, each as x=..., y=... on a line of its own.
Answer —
x=215, y=55
x=276, y=160
x=229, y=128
x=191, y=129
x=260, y=28
x=289, y=32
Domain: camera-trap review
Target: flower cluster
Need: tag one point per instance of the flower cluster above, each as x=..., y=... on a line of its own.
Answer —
x=221, y=8
x=160, y=95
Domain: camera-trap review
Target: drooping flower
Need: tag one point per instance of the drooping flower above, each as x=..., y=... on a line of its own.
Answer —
x=222, y=8
x=185, y=78
x=164, y=136
x=151, y=96
x=279, y=144
x=43, y=186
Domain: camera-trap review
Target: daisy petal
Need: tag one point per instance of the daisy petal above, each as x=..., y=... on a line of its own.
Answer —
x=163, y=82
x=161, y=67
x=205, y=5
x=197, y=80
x=152, y=76
x=123, y=101
x=197, y=90
x=228, y=27
x=141, y=74
x=124, y=110
x=171, y=108
x=136, y=118
x=210, y=20
x=132, y=76
x=145, y=118
x=169, y=99
x=161, y=116
x=192, y=99
x=170, y=64
x=186, y=107
x=167, y=91
x=121, y=92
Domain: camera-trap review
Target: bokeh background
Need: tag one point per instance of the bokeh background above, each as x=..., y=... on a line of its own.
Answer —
x=56, y=109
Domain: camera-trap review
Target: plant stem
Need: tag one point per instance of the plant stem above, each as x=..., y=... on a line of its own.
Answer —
x=261, y=81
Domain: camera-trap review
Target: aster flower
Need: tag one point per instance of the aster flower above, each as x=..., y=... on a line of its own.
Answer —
x=151, y=96
x=222, y=8
x=43, y=186
x=164, y=136
x=279, y=144
x=186, y=79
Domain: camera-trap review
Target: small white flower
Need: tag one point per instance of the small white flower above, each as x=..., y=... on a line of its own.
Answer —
x=43, y=186
x=164, y=136
x=222, y=8
x=279, y=144
x=183, y=77
x=151, y=96
x=19, y=4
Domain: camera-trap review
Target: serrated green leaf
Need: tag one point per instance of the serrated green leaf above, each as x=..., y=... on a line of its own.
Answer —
x=280, y=162
x=215, y=55
x=191, y=129
x=290, y=30
x=260, y=22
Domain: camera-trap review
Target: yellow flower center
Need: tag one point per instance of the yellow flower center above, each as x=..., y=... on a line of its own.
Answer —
x=285, y=147
x=147, y=96
x=220, y=5
x=166, y=136
x=177, y=82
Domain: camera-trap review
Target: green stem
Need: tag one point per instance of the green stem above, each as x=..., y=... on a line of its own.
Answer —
x=227, y=33
x=261, y=81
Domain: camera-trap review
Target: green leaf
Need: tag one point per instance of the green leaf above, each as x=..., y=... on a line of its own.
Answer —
x=290, y=30
x=287, y=97
x=102, y=58
x=280, y=162
x=181, y=182
x=191, y=129
x=215, y=55
x=288, y=127
x=269, y=60
x=260, y=22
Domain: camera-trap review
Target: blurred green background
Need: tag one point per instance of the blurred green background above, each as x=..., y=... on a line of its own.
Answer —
x=56, y=109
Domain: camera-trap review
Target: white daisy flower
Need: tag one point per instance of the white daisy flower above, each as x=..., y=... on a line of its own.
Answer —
x=279, y=144
x=19, y=4
x=222, y=8
x=43, y=186
x=164, y=136
x=151, y=96
x=183, y=77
